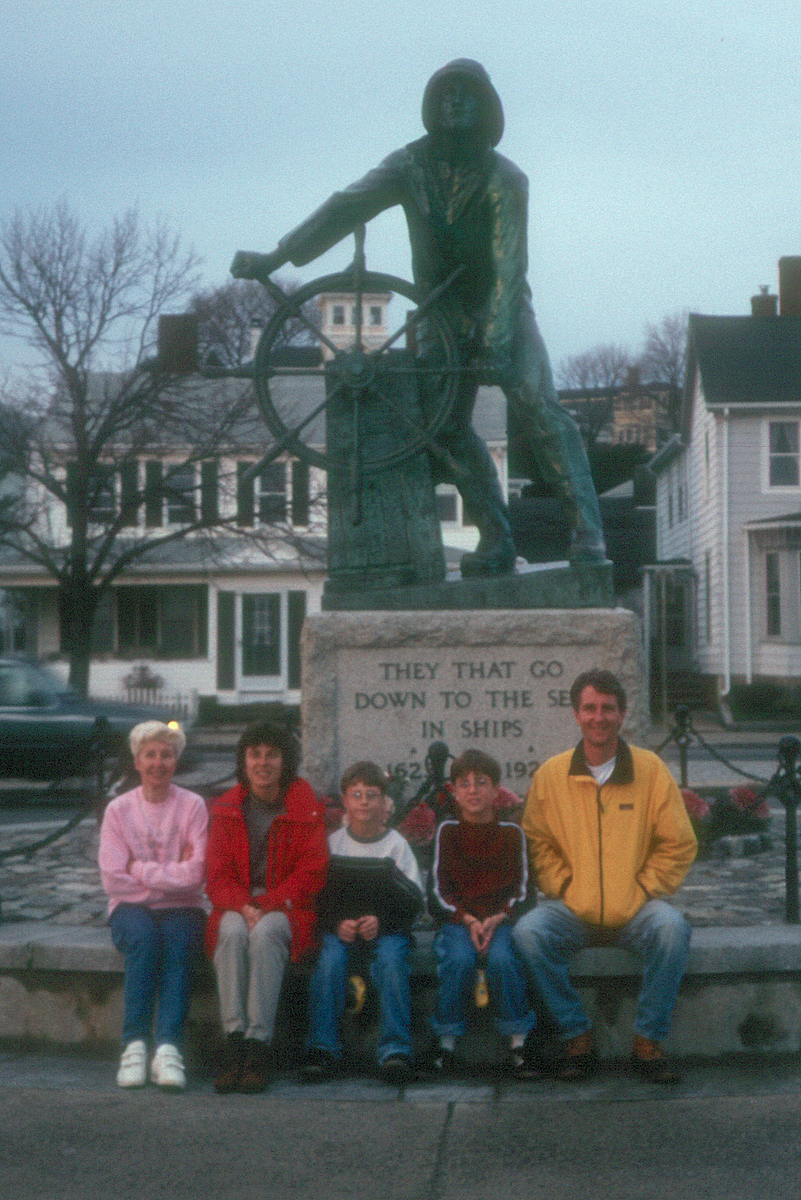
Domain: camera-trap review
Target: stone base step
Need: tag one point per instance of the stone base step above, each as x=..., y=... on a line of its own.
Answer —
x=742, y=992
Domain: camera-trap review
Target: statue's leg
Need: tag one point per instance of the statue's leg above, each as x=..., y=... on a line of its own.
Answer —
x=556, y=442
x=476, y=480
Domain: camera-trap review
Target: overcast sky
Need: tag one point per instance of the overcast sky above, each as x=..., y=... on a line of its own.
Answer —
x=662, y=140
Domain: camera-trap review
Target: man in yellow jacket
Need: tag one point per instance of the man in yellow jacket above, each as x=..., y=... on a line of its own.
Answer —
x=608, y=836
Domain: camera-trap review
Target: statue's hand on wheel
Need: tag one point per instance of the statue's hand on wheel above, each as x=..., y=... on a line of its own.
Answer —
x=249, y=265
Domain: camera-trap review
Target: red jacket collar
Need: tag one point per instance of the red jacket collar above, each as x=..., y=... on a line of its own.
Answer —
x=300, y=801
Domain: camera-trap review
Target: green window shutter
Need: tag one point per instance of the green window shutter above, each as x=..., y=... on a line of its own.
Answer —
x=103, y=627
x=129, y=483
x=244, y=495
x=225, y=642
x=209, y=505
x=300, y=493
x=295, y=617
x=154, y=498
x=203, y=620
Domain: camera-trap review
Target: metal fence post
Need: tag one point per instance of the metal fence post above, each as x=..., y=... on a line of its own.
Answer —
x=682, y=737
x=786, y=786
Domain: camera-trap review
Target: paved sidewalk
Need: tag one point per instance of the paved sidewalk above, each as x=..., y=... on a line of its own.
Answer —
x=728, y=1132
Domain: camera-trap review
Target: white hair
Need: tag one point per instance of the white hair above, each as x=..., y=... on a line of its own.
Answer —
x=156, y=731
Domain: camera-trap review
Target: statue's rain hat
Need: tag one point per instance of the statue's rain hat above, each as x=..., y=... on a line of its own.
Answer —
x=465, y=68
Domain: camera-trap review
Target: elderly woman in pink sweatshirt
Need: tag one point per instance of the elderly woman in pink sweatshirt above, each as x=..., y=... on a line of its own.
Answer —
x=152, y=864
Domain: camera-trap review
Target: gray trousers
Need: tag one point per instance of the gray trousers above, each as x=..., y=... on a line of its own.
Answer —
x=250, y=967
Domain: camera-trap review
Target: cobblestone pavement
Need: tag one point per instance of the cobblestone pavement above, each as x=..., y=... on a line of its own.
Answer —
x=732, y=885
x=738, y=882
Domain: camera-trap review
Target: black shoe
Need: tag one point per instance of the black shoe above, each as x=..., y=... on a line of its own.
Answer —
x=396, y=1070
x=445, y=1062
x=523, y=1065
x=499, y=560
x=588, y=547
x=319, y=1066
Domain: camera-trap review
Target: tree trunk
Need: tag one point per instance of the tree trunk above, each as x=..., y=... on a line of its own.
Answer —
x=80, y=605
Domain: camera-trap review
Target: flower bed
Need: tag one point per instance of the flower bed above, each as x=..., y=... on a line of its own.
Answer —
x=717, y=812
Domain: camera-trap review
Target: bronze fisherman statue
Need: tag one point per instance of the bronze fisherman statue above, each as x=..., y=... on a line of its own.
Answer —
x=466, y=205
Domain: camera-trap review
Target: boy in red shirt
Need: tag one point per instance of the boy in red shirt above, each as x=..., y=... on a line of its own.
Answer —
x=479, y=888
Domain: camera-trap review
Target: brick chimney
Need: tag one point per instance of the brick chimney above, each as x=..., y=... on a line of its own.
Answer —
x=764, y=305
x=177, y=350
x=790, y=286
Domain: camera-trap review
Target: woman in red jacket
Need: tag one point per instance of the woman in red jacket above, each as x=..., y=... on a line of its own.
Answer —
x=267, y=857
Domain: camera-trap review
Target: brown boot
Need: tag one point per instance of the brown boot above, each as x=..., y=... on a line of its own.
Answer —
x=650, y=1060
x=258, y=1069
x=578, y=1058
x=233, y=1061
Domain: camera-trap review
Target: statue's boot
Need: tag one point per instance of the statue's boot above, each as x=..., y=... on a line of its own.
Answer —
x=495, y=553
x=473, y=471
x=587, y=546
x=563, y=463
x=499, y=559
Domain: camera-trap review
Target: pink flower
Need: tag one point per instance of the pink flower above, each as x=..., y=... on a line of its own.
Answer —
x=697, y=809
x=746, y=799
x=506, y=799
x=419, y=825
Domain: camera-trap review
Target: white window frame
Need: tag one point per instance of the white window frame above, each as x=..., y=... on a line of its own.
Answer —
x=260, y=493
x=262, y=683
x=773, y=595
x=172, y=472
x=767, y=486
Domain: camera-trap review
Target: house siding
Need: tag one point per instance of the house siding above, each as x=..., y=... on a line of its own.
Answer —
x=752, y=499
x=725, y=466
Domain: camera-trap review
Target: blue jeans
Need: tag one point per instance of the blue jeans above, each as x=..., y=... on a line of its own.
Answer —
x=389, y=971
x=457, y=960
x=161, y=947
x=550, y=934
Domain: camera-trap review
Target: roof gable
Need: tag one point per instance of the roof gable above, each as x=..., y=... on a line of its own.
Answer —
x=747, y=360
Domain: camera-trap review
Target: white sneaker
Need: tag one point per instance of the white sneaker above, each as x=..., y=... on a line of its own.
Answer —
x=133, y=1066
x=167, y=1069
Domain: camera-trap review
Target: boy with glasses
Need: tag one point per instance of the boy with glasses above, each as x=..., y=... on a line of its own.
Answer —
x=372, y=895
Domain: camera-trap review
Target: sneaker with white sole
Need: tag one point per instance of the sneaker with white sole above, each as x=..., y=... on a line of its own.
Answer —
x=133, y=1066
x=167, y=1069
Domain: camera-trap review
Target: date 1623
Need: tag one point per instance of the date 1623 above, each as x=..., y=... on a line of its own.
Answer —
x=414, y=772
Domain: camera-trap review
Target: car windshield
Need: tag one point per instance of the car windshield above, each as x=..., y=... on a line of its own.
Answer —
x=25, y=684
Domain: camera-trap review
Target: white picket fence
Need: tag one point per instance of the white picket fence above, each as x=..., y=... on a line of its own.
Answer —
x=183, y=706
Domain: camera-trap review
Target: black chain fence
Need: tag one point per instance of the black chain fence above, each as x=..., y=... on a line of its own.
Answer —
x=784, y=785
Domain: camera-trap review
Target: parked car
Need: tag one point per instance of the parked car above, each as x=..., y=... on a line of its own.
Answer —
x=48, y=731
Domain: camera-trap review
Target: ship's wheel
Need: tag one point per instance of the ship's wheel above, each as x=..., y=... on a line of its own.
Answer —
x=360, y=379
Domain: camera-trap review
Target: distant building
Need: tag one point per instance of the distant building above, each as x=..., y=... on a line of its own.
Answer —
x=632, y=414
x=338, y=320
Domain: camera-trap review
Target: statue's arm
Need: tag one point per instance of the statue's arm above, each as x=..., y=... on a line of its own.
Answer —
x=509, y=201
x=340, y=214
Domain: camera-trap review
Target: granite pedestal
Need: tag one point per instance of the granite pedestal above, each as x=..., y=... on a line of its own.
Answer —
x=384, y=685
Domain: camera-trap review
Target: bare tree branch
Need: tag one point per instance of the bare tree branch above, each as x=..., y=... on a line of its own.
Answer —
x=664, y=357
x=75, y=487
x=229, y=316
